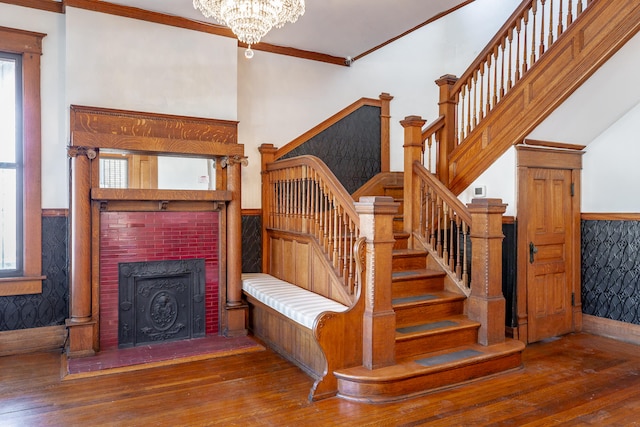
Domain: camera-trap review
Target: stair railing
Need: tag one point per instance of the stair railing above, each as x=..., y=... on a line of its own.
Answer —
x=443, y=226
x=466, y=241
x=524, y=38
x=301, y=195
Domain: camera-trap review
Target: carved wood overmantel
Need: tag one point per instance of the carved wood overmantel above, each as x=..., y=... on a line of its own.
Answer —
x=93, y=129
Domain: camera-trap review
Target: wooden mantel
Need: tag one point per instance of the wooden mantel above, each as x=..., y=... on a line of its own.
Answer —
x=93, y=129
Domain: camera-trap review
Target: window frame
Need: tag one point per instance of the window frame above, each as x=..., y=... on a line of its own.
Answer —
x=29, y=45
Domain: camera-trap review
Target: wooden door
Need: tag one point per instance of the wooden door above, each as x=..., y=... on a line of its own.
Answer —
x=549, y=261
x=548, y=227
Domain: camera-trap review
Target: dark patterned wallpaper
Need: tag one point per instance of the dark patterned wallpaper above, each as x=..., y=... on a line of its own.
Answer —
x=251, y=243
x=350, y=148
x=509, y=269
x=51, y=307
x=611, y=270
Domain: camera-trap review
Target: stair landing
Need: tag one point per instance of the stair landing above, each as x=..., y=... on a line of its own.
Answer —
x=428, y=372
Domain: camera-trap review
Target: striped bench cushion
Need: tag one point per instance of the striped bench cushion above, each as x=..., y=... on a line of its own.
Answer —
x=292, y=301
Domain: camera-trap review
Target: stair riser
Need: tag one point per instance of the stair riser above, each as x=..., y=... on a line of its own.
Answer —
x=435, y=342
x=390, y=391
x=402, y=242
x=395, y=192
x=423, y=314
x=398, y=225
x=407, y=288
x=409, y=262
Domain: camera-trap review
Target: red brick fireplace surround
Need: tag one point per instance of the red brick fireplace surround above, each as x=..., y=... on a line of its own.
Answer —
x=156, y=236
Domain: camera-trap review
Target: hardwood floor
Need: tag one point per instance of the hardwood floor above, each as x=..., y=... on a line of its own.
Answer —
x=578, y=379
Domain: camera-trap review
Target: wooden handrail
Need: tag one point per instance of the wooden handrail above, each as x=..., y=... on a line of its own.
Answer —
x=303, y=196
x=430, y=143
x=443, y=192
x=343, y=197
x=496, y=40
x=443, y=226
x=531, y=30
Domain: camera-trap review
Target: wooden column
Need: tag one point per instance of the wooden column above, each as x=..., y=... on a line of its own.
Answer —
x=486, y=302
x=385, y=132
x=448, y=133
x=413, y=148
x=379, y=320
x=235, y=309
x=268, y=152
x=80, y=324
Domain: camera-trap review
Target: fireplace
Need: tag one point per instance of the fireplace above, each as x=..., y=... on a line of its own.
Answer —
x=148, y=222
x=154, y=254
x=160, y=301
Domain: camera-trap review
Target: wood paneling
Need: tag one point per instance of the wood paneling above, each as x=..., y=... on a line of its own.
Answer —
x=604, y=216
x=31, y=340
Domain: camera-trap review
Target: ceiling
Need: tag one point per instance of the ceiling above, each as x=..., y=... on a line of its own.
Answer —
x=342, y=28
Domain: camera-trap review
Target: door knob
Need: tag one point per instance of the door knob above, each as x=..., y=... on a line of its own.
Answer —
x=532, y=251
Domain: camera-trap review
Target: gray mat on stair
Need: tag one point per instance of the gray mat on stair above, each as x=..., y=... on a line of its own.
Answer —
x=416, y=298
x=404, y=273
x=446, y=358
x=426, y=327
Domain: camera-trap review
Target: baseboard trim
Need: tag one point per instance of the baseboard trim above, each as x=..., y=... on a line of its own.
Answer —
x=32, y=340
x=620, y=331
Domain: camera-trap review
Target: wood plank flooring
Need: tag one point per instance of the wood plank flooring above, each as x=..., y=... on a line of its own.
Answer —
x=578, y=379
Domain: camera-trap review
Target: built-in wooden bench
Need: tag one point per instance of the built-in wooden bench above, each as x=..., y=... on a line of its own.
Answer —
x=300, y=325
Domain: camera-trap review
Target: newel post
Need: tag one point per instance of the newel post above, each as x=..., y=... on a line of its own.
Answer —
x=379, y=320
x=413, y=149
x=385, y=126
x=448, y=136
x=268, y=155
x=486, y=302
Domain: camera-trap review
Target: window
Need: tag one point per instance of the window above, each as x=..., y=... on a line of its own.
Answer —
x=20, y=158
x=10, y=165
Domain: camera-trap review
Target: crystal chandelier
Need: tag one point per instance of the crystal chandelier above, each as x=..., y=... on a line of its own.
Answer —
x=250, y=20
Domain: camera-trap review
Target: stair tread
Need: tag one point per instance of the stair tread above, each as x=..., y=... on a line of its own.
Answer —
x=415, y=274
x=429, y=298
x=406, y=252
x=435, y=327
x=432, y=362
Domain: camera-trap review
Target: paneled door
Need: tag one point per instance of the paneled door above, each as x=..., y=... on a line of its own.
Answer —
x=548, y=242
x=549, y=237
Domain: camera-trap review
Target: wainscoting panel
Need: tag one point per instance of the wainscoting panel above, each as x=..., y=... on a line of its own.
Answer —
x=51, y=307
x=611, y=269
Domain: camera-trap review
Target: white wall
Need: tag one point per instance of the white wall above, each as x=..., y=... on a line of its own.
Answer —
x=611, y=170
x=54, y=123
x=123, y=63
x=279, y=97
x=108, y=61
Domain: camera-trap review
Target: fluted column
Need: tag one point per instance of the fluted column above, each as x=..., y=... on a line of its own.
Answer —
x=80, y=322
x=235, y=309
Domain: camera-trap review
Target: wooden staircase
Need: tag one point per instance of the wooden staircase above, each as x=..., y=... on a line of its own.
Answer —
x=436, y=344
